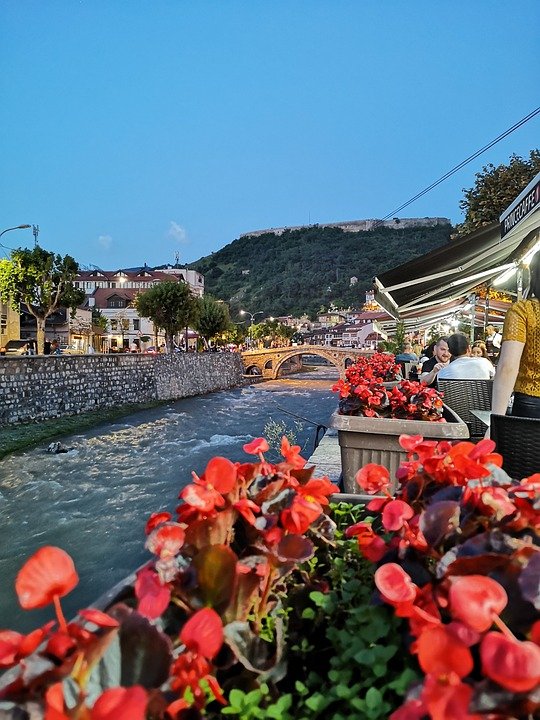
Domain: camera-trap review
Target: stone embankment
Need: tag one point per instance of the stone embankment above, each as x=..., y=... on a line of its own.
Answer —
x=39, y=388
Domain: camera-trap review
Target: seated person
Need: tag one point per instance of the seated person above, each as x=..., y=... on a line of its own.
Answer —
x=463, y=365
x=439, y=360
x=479, y=349
x=407, y=355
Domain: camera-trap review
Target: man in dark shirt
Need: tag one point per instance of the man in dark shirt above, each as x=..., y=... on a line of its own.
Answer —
x=440, y=359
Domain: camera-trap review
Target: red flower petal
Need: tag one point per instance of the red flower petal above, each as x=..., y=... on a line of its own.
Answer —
x=97, y=617
x=153, y=597
x=514, y=665
x=220, y=473
x=395, y=513
x=448, y=698
x=166, y=540
x=156, y=519
x=475, y=599
x=203, y=633
x=441, y=652
x=9, y=647
x=49, y=572
x=259, y=445
x=394, y=584
x=121, y=704
x=409, y=442
x=373, y=478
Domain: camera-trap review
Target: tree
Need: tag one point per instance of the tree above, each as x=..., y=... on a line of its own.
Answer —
x=213, y=317
x=494, y=190
x=42, y=281
x=170, y=306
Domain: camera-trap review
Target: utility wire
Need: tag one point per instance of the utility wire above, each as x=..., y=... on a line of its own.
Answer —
x=461, y=164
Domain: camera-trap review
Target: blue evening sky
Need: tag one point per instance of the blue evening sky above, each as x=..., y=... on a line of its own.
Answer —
x=135, y=129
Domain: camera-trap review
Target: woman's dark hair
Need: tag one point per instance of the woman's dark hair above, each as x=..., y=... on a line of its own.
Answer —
x=534, y=270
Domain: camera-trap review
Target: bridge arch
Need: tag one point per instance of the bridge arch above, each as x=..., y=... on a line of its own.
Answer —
x=269, y=361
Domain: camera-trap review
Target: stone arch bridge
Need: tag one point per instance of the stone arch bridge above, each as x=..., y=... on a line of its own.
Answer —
x=268, y=361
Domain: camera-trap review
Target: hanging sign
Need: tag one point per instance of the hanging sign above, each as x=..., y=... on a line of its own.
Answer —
x=522, y=206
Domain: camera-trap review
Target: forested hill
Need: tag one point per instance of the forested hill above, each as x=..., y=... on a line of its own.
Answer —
x=304, y=269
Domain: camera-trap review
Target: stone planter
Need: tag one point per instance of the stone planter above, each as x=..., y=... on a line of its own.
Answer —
x=376, y=440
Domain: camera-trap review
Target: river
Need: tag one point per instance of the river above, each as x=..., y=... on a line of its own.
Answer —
x=93, y=501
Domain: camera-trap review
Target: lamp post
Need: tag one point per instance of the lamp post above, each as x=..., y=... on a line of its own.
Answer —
x=251, y=317
x=17, y=227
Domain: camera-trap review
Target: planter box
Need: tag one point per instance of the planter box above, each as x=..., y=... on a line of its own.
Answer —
x=376, y=440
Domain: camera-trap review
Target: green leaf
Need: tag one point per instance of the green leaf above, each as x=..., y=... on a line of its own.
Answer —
x=373, y=698
x=308, y=614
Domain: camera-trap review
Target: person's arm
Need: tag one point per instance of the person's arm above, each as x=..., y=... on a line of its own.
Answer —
x=429, y=377
x=505, y=377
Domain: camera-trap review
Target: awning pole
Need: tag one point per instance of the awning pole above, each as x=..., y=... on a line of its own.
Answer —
x=486, y=309
x=473, y=315
x=519, y=279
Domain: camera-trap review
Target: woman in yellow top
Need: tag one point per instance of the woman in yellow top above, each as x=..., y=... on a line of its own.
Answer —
x=518, y=369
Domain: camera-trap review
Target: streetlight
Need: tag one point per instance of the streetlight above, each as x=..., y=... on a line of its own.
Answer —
x=17, y=227
x=251, y=317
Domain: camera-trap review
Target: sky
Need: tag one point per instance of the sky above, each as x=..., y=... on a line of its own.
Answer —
x=136, y=131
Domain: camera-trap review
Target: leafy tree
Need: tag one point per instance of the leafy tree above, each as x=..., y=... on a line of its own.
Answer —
x=494, y=190
x=99, y=320
x=42, y=281
x=213, y=317
x=170, y=306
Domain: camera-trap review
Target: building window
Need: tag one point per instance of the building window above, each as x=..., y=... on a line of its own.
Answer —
x=136, y=324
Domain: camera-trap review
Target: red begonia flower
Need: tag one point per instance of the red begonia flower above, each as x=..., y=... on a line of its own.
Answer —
x=440, y=652
x=259, y=445
x=395, y=513
x=247, y=508
x=291, y=453
x=512, y=664
x=47, y=574
x=409, y=442
x=220, y=473
x=166, y=540
x=299, y=516
x=156, y=519
x=371, y=545
x=54, y=703
x=60, y=645
x=153, y=597
x=411, y=710
x=475, y=599
x=394, y=584
x=98, y=618
x=14, y=646
x=373, y=478
x=447, y=698
x=317, y=490
x=203, y=633
x=121, y=703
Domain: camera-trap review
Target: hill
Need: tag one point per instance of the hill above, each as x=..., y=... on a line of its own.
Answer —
x=292, y=271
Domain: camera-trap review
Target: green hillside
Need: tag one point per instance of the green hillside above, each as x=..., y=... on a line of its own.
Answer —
x=305, y=269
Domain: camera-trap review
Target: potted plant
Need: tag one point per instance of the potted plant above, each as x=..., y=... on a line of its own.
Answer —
x=458, y=556
x=371, y=416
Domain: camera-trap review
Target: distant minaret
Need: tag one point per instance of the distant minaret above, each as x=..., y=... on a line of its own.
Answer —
x=177, y=259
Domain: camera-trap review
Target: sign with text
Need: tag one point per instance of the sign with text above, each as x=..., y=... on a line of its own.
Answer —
x=520, y=210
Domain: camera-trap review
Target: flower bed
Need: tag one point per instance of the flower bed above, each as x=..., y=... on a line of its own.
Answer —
x=255, y=605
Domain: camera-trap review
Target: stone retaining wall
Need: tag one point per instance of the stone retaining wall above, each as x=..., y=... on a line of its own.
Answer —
x=42, y=387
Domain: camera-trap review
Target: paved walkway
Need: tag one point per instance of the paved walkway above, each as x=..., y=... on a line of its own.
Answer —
x=327, y=461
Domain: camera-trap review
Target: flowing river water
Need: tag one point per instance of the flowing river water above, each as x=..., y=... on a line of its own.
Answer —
x=93, y=501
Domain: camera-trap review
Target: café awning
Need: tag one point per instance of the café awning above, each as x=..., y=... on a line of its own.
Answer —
x=432, y=286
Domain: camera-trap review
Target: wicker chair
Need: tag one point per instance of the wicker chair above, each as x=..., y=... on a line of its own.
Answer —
x=518, y=441
x=466, y=395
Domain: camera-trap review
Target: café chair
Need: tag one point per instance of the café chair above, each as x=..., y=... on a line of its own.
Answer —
x=517, y=439
x=466, y=395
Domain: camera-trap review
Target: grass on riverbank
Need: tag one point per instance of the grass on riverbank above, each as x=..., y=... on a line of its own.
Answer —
x=21, y=437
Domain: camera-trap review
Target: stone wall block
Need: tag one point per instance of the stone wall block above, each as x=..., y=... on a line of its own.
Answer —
x=41, y=387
